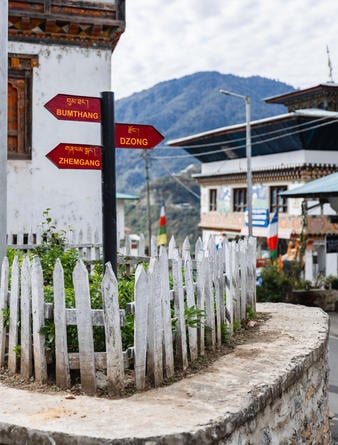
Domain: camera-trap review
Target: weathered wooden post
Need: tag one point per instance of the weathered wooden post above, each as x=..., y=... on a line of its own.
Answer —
x=3, y=124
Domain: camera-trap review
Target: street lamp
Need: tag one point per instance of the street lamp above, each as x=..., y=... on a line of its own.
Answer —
x=248, y=153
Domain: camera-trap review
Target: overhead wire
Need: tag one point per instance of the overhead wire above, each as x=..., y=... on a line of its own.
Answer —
x=253, y=136
x=182, y=156
x=177, y=180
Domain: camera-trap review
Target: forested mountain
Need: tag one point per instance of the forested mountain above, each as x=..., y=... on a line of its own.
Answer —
x=181, y=107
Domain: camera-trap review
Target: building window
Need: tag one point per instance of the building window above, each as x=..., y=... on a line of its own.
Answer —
x=20, y=74
x=239, y=199
x=212, y=200
x=278, y=203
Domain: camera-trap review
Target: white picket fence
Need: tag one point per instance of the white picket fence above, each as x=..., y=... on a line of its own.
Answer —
x=86, y=241
x=157, y=350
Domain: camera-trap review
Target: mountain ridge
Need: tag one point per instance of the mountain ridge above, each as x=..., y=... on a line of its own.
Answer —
x=184, y=106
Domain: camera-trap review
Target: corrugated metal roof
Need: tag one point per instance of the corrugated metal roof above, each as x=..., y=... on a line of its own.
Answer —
x=311, y=129
x=319, y=188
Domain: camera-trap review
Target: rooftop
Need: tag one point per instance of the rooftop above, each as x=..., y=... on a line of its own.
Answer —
x=309, y=129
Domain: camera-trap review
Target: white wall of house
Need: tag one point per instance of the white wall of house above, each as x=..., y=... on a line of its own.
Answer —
x=280, y=160
x=74, y=196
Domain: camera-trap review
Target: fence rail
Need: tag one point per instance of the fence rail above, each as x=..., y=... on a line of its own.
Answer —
x=87, y=242
x=218, y=283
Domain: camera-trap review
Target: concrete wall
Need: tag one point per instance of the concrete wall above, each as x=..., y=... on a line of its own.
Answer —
x=74, y=196
x=270, y=390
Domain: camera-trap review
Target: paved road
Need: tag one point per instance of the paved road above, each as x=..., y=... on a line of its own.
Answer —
x=333, y=376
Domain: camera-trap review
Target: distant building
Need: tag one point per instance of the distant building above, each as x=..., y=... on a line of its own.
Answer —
x=55, y=47
x=287, y=151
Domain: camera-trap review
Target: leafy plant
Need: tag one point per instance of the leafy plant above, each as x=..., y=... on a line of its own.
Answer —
x=48, y=330
x=17, y=350
x=53, y=246
x=250, y=313
x=275, y=285
x=5, y=314
x=193, y=316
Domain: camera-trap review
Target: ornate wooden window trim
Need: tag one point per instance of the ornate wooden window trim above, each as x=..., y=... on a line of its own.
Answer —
x=240, y=198
x=278, y=202
x=20, y=78
x=212, y=200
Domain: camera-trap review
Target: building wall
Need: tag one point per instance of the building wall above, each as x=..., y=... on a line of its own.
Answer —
x=279, y=160
x=74, y=196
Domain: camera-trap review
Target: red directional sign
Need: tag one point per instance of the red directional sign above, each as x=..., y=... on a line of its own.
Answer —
x=136, y=136
x=75, y=108
x=88, y=109
x=76, y=156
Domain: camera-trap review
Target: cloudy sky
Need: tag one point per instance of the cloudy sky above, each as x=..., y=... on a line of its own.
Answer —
x=284, y=40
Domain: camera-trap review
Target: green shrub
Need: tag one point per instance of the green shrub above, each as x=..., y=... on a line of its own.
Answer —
x=275, y=286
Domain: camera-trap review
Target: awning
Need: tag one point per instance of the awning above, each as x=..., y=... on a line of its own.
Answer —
x=325, y=187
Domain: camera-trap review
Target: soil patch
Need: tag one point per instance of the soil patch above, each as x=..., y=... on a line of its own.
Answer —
x=249, y=333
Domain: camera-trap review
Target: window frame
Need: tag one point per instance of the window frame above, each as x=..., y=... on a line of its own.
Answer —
x=277, y=202
x=239, y=199
x=20, y=98
x=212, y=205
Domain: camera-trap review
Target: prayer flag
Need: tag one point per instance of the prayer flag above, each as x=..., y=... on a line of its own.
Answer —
x=162, y=230
x=273, y=236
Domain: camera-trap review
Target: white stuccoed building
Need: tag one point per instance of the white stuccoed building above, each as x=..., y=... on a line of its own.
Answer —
x=56, y=47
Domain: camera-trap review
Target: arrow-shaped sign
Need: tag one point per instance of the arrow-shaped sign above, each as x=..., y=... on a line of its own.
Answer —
x=75, y=108
x=76, y=156
x=136, y=136
x=88, y=109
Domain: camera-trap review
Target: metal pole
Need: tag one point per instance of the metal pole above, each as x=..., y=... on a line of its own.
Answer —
x=3, y=125
x=109, y=227
x=248, y=154
x=248, y=157
x=146, y=157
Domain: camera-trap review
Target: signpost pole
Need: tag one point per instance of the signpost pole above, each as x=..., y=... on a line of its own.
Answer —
x=109, y=228
x=3, y=124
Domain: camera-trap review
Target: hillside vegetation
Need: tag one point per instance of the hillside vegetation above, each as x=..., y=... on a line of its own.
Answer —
x=181, y=107
x=178, y=108
x=180, y=193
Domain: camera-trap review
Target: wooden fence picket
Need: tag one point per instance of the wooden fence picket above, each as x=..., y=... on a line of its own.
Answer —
x=26, y=358
x=180, y=335
x=141, y=245
x=185, y=248
x=84, y=328
x=200, y=292
x=38, y=321
x=171, y=248
x=155, y=325
x=111, y=311
x=13, y=333
x=153, y=246
x=168, y=350
x=219, y=297
x=237, y=282
x=252, y=272
x=228, y=267
x=209, y=303
x=198, y=248
x=189, y=284
x=62, y=371
x=229, y=285
x=3, y=307
x=140, y=326
x=244, y=268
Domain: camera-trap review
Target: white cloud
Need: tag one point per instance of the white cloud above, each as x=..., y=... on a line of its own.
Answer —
x=279, y=39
